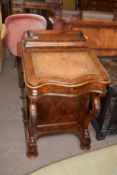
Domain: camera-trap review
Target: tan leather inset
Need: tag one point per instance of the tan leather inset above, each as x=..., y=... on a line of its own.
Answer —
x=66, y=65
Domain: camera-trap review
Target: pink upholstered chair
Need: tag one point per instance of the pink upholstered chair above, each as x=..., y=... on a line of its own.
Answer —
x=17, y=24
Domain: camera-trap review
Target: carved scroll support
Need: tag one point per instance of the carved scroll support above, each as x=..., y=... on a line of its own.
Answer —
x=94, y=110
x=32, y=140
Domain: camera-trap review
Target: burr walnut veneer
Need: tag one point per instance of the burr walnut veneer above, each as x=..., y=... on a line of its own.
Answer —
x=64, y=81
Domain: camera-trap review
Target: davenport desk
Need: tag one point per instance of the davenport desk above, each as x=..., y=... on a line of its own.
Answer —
x=63, y=83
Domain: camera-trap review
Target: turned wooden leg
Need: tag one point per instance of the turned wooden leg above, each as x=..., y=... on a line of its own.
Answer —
x=31, y=129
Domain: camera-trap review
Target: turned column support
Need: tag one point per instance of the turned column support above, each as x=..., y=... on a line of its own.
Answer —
x=33, y=112
x=94, y=110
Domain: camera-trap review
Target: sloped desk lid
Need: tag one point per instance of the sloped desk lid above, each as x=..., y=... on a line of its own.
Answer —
x=64, y=68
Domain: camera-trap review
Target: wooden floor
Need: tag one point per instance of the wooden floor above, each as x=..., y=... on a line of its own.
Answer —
x=100, y=162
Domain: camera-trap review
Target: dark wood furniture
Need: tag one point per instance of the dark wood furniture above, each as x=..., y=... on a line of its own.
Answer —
x=106, y=123
x=99, y=5
x=100, y=29
x=64, y=81
x=36, y=7
x=21, y=6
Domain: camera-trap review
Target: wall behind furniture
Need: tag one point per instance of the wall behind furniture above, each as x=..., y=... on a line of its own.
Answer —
x=68, y=4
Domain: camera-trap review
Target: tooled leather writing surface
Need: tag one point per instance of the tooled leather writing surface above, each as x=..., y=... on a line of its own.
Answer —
x=76, y=67
x=65, y=65
x=61, y=57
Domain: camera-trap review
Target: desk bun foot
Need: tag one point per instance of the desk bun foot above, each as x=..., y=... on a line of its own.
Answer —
x=86, y=141
x=32, y=152
x=84, y=137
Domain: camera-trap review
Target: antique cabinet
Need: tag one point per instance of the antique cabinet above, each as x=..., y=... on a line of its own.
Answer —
x=16, y=6
x=33, y=6
x=43, y=8
x=63, y=83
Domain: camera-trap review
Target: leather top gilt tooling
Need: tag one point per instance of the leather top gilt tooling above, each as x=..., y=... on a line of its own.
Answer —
x=66, y=65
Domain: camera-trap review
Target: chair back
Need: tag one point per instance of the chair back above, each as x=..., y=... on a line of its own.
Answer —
x=17, y=24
